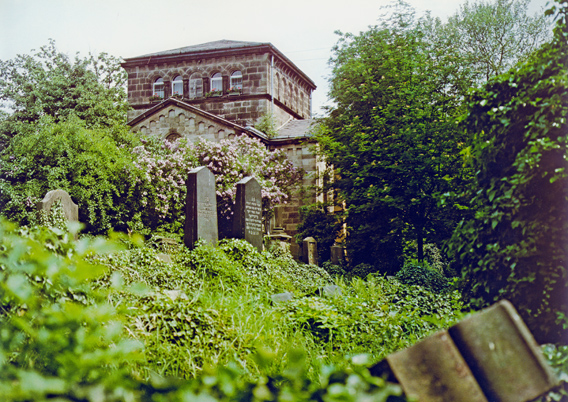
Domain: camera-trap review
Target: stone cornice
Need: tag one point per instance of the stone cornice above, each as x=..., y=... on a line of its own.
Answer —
x=264, y=48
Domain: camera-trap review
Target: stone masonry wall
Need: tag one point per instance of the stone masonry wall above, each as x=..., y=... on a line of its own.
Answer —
x=246, y=107
x=179, y=122
x=301, y=157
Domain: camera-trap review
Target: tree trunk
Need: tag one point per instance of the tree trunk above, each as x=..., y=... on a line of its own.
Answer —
x=420, y=242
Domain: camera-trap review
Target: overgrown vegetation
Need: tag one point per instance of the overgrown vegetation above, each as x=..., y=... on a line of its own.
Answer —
x=267, y=125
x=116, y=318
x=516, y=245
x=121, y=319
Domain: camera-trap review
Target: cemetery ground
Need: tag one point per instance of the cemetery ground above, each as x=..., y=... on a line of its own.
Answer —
x=112, y=319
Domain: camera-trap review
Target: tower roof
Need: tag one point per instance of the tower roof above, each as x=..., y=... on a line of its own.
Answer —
x=209, y=46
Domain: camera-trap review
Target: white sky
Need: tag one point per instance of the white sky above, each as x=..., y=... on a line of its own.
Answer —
x=302, y=29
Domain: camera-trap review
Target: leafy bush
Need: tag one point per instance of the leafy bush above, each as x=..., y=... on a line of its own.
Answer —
x=59, y=336
x=421, y=275
x=376, y=316
x=516, y=246
x=334, y=270
x=362, y=270
x=93, y=165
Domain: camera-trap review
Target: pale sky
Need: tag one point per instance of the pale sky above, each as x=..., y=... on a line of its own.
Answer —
x=302, y=29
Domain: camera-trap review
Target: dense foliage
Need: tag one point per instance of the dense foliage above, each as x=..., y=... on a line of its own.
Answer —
x=106, y=320
x=48, y=83
x=516, y=247
x=423, y=275
x=393, y=140
x=94, y=165
x=165, y=167
x=125, y=182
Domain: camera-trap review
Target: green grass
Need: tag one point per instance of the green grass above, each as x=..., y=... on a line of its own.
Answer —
x=211, y=306
x=109, y=319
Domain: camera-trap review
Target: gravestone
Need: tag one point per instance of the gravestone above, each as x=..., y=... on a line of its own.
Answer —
x=433, y=370
x=489, y=356
x=337, y=255
x=200, y=208
x=296, y=251
x=503, y=355
x=331, y=291
x=70, y=209
x=282, y=297
x=247, y=220
x=310, y=251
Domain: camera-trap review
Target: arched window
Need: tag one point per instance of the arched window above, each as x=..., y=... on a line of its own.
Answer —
x=158, y=88
x=216, y=83
x=237, y=81
x=177, y=86
x=195, y=86
x=173, y=137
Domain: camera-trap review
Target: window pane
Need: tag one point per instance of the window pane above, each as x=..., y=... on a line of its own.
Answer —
x=158, y=88
x=195, y=87
x=217, y=82
x=177, y=86
x=236, y=80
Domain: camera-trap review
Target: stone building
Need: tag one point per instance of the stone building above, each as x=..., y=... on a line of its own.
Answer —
x=220, y=89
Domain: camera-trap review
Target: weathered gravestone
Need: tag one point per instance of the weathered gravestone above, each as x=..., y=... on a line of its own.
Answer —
x=310, y=251
x=331, y=291
x=488, y=357
x=70, y=209
x=337, y=255
x=282, y=297
x=247, y=220
x=200, y=208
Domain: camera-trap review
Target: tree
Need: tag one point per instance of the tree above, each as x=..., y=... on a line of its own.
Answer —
x=516, y=246
x=267, y=125
x=393, y=140
x=94, y=165
x=492, y=36
x=48, y=83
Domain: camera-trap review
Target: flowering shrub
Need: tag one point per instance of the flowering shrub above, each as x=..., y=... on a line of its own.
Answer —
x=165, y=167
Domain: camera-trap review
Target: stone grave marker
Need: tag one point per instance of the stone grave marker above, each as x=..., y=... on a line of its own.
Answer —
x=331, y=291
x=200, y=208
x=489, y=356
x=247, y=220
x=337, y=254
x=503, y=355
x=310, y=251
x=70, y=209
x=282, y=297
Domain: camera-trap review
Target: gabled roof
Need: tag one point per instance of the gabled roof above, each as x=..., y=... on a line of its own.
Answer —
x=174, y=101
x=216, y=45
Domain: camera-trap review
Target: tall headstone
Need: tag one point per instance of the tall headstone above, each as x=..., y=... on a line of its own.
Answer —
x=503, y=355
x=247, y=220
x=70, y=209
x=433, y=370
x=337, y=255
x=310, y=251
x=200, y=208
